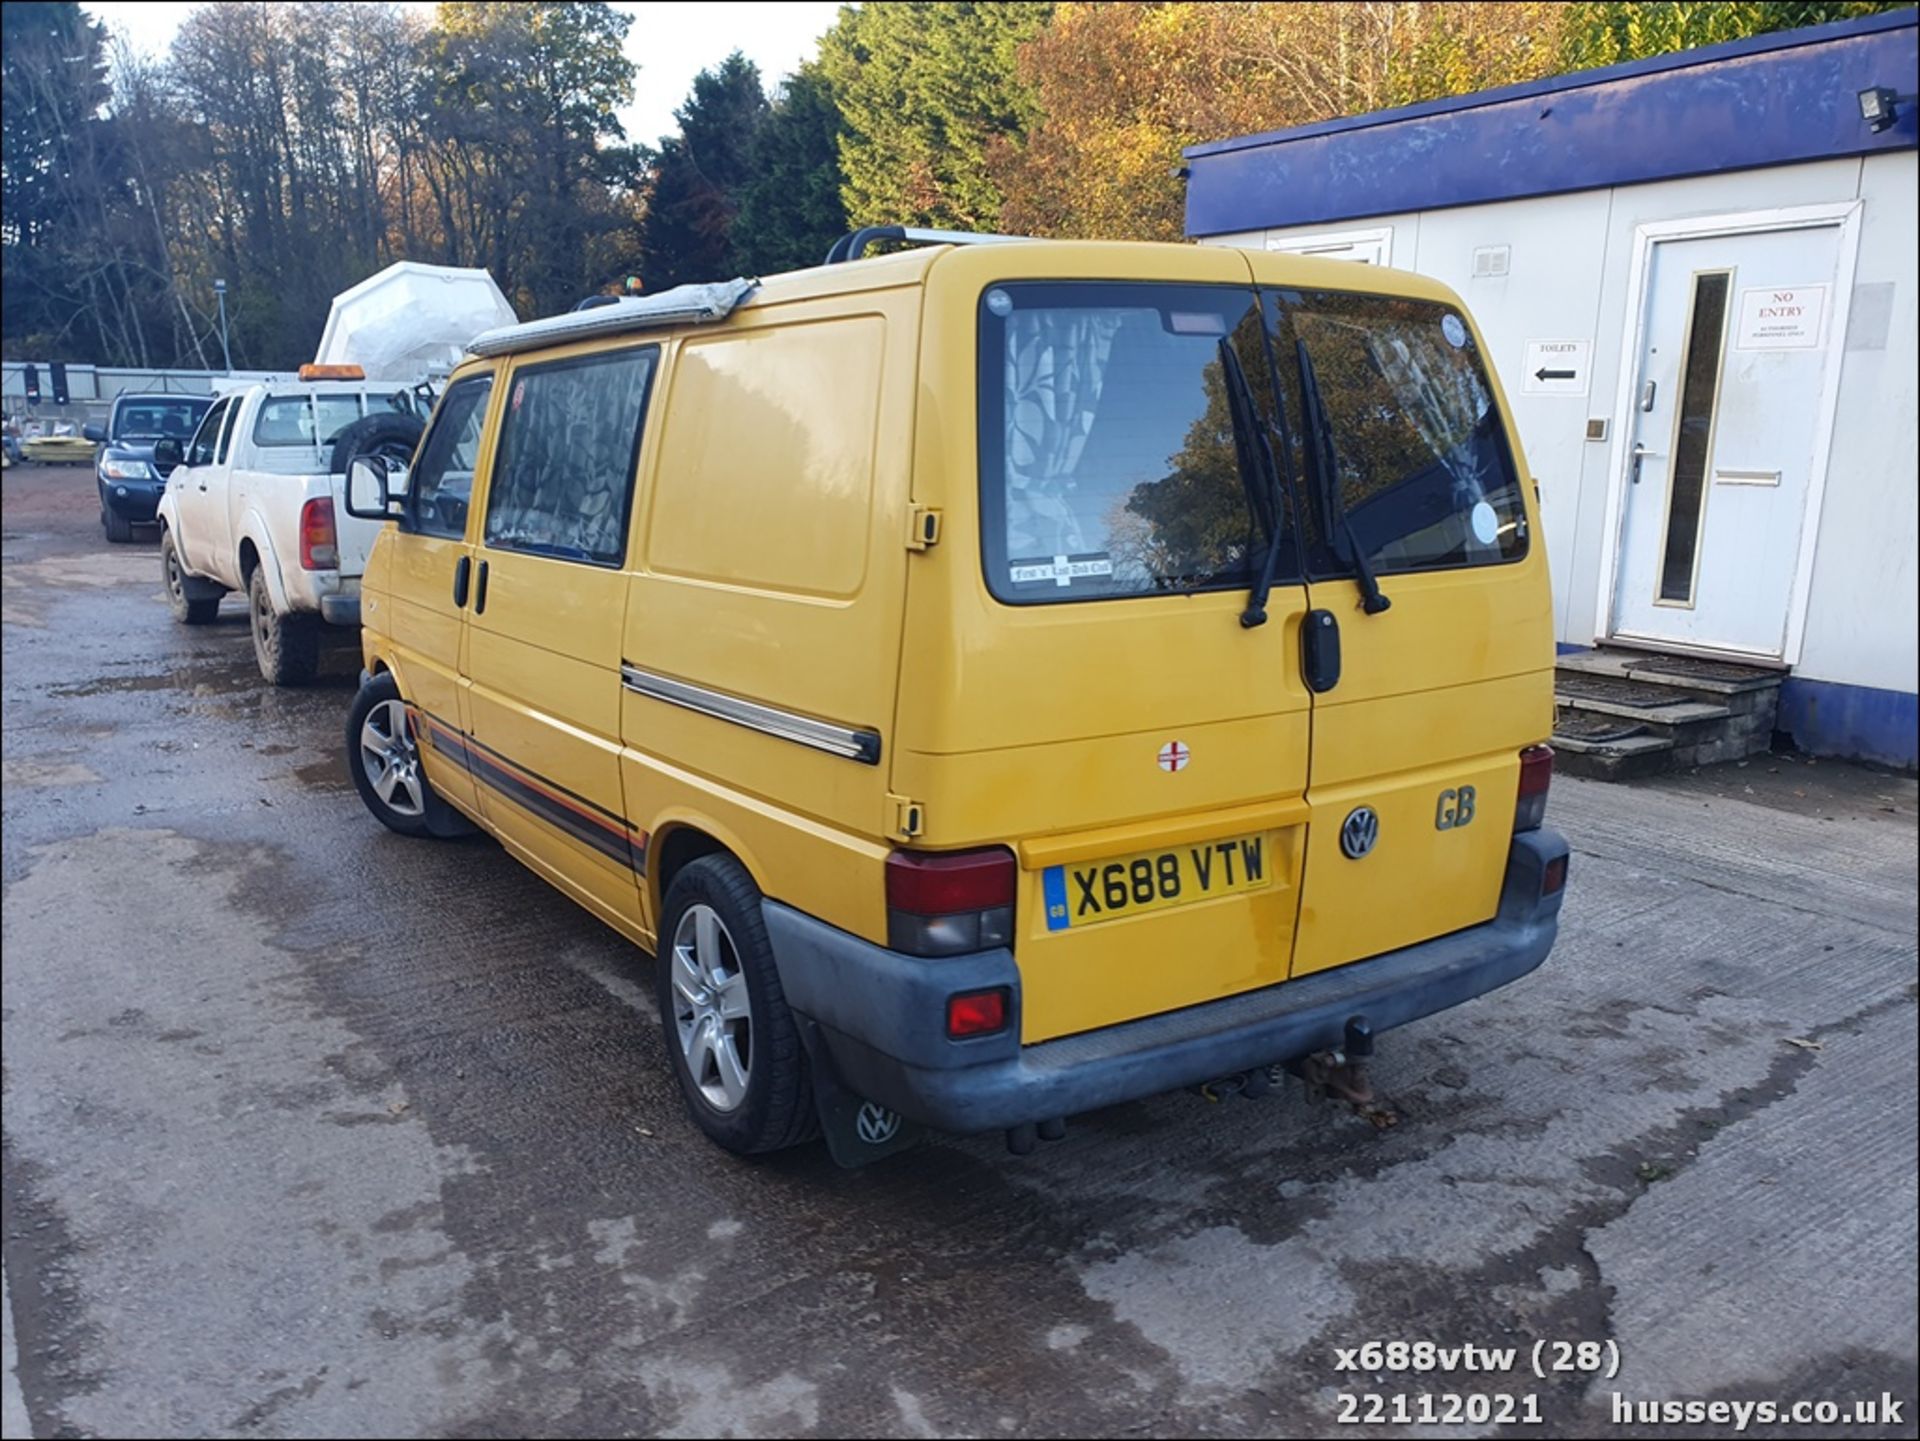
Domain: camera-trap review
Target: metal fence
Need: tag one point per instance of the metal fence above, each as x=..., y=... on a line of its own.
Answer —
x=91, y=389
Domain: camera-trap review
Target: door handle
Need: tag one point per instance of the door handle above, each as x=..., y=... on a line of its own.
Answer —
x=1320, y=650
x=460, y=574
x=480, y=591
x=1647, y=392
x=1640, y=453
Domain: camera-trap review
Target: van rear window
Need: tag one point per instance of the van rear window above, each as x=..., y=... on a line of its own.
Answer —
x=1426, y=481
x=1110, y=466
x=1107, y=449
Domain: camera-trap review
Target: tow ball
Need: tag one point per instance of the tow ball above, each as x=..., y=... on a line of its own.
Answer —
x=1342, y=1074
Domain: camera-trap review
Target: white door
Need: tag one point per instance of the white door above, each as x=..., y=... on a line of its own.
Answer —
x=1727, y=417
x=193, y=506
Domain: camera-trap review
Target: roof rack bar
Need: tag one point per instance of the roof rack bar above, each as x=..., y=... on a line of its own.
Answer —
x=851, y=247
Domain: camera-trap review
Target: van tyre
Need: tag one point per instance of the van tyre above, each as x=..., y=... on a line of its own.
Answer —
x=383, y=756
x=187, y=609
x=287, y=646
x=119, y=529
x=730, y=1037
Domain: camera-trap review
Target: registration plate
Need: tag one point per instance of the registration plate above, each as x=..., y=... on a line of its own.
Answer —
x=1089, y=892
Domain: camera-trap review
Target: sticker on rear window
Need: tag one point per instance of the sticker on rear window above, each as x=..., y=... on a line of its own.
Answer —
x=1061, y=570
x=1486, y=525
x=1455, y=332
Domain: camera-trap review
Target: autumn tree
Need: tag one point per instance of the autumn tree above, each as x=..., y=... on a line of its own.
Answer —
x=1610, y=31
x=522, y=150
x=1122, y=88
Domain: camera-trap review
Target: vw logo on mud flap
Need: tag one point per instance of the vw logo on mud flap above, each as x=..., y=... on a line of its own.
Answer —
x=1358, y=832
x=875, y=1124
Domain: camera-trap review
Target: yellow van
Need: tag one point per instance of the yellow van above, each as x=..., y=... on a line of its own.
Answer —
x=995, y=679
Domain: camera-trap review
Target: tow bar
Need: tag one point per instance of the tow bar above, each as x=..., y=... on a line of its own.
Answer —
x=1344, y=1074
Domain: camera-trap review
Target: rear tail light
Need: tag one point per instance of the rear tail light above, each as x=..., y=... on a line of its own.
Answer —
x=944, y=904
x=319, y=542
x=976, y=1013
x=1536, y=774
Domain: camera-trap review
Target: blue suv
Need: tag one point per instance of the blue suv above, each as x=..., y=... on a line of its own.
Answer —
x=130, y=483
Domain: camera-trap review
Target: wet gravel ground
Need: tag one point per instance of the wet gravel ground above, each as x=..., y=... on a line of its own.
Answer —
x=312, y=1130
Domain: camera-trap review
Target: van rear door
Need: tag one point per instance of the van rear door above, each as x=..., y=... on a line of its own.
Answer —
x=1077, y=681
x=1410, y=472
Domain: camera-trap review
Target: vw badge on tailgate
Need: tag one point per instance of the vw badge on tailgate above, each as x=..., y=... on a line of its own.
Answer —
x=1358, y=832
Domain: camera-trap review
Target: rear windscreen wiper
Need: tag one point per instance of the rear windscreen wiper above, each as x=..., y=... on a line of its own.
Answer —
x=1323, y=473
x=1259, y=474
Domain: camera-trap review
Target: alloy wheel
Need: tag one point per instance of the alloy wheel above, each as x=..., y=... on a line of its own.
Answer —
x=392, y=758
x=712, y=1014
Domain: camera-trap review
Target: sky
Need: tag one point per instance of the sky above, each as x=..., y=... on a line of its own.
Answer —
x=671, y=41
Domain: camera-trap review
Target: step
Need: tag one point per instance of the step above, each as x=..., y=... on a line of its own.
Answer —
x=1703, y=678
x=1634, y=699
x=1619, y=759
x=1626, y=713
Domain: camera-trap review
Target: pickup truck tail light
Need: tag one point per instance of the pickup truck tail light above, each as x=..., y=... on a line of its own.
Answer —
x=1536, y=774
x=947, y=903
x=319, y=542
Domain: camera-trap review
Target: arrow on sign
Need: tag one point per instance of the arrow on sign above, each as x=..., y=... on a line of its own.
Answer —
x=1545, y=374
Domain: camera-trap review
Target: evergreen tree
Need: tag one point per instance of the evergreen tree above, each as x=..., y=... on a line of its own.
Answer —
x=697, y=178
x=790, y=211
x=925, y=92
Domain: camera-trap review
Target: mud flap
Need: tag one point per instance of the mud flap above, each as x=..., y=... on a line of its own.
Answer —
x=858, y=1131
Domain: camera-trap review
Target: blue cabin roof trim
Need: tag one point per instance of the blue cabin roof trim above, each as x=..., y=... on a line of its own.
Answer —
x=1767, y=100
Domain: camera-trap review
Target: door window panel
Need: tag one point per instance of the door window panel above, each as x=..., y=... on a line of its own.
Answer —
x=200, y=449
x=1693, y=436
x=1108, y=461
x=226, y=432
x=1424, y=474
x=442, y=482
x=569, y=445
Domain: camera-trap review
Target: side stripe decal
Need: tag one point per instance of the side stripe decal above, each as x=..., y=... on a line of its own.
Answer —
x=574, y=814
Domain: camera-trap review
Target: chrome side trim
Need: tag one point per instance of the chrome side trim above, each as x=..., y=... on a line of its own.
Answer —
x=857, y=744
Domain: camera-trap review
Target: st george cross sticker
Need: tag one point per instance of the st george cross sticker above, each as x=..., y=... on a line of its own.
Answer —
x=1174, y=756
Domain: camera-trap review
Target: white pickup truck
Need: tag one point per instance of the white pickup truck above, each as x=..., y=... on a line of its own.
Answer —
x=255, y=504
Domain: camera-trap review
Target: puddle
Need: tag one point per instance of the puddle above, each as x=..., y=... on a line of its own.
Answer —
x=201, y=683
x=325, y=775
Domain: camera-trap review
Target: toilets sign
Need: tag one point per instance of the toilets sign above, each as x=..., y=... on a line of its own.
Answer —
x=1781, y=318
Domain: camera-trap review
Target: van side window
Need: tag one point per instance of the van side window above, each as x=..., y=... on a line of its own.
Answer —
x=569, y=443
x=200, y=448
x=443, y=481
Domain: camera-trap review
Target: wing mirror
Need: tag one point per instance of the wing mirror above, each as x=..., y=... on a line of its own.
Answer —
x=167, y=453
x=95, y=433
x=373, y=486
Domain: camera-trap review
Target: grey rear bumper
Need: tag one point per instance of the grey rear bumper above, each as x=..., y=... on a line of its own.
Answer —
x=880, y=1015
